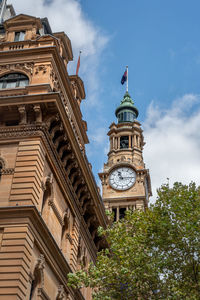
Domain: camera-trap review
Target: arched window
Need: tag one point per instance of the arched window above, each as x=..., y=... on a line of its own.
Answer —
x=13, y=80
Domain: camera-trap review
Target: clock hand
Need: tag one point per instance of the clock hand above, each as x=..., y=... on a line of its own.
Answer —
x=120, y=175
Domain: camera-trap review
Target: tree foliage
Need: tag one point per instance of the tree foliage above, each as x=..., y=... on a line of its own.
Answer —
x=153, y=254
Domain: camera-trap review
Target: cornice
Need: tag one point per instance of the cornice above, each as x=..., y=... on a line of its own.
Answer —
x=125, y=150
x=125, y=127
x=83, y=161
x=120, y=199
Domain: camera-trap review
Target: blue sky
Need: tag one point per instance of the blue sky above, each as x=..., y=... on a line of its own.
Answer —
x=160, y=42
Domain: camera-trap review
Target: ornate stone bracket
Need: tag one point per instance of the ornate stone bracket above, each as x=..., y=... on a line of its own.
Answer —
x=41, y=68
x=61, y=293
x=23, y=114
x=39, y=269
x=38, y=113
x=69, y=238
x=90, y=220
x=55, y=210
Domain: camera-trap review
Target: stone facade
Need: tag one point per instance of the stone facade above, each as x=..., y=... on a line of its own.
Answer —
x=50, y=207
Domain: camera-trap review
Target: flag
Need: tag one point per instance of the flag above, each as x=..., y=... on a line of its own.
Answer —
x=78, y=63
x=124, y=77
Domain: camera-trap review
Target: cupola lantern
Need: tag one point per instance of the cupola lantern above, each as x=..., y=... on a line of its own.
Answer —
x=126, y=111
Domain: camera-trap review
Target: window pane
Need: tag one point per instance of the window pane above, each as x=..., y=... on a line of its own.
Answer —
x=125, y=116
x=23, y=82
x=19, y=36
x=11, y=84
x=123, y=142
x=131, y=118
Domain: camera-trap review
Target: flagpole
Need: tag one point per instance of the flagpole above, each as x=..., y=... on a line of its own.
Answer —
x=127, y=78
x=78, y=63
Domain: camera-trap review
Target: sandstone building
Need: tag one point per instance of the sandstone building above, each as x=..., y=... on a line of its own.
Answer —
x=50, y=207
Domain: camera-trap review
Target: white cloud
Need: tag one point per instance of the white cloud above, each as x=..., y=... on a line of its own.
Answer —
x=67, y=16
x=99, y=135
x=172, y=138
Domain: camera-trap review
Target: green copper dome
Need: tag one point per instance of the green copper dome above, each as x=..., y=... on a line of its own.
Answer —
x=126, y=112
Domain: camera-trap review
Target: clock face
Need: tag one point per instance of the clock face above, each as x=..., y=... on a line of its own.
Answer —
x=122, y=178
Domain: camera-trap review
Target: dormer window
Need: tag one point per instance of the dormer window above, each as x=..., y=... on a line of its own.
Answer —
x=19, y=36
x=13, y=80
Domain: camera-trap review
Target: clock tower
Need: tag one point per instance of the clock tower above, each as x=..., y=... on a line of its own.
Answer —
x=125, y=180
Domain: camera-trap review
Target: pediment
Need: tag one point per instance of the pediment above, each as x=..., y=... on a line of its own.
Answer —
x=22, y=19
x=47, y=37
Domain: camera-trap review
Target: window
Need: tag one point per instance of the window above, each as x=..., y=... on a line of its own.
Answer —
x=123, y=142
x=122, y=212
x=13, y=80
x=19, y=36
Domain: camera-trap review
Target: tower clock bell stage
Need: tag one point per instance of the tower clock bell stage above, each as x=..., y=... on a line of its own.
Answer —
x=125, y=180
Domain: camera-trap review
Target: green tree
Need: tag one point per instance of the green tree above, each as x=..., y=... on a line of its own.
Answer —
x=153, y=254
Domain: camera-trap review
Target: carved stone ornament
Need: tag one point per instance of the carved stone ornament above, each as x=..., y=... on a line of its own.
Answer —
x=3, y=169
x=49, y=179
x=66, y=217
x=24, y=67
x=81, y=255
x=39, y=269
x=23, y=114
x=8, y=171
x=40, y=262
x=69, y=238
x=41, y=69
x=55, y=210
x=38, y=113
x=61, y=293
x=2, y=163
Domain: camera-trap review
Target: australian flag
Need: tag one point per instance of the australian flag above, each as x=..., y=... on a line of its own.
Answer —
x=124, y=77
